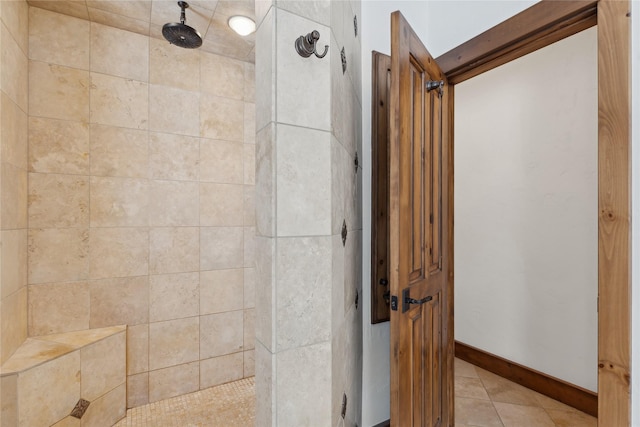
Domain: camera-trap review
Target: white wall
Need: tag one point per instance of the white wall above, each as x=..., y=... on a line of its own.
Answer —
x=526, y=210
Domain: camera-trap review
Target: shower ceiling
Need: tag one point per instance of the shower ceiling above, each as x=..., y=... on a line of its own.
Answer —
x=147, y=17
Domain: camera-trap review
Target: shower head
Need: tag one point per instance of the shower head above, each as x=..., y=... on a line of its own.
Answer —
x=181, y=34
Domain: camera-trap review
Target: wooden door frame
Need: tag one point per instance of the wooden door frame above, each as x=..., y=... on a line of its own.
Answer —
x=538, y=26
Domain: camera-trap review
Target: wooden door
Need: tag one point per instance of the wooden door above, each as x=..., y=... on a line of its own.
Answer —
x=420, y=258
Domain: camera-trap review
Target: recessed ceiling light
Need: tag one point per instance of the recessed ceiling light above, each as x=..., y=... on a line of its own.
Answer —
x=242, y=25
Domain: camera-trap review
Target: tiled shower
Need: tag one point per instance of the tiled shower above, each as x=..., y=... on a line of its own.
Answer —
x=128, y=198
x=128, y=195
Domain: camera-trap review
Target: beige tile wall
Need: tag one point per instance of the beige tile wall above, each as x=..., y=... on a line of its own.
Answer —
x=13, y=175
x=141, y=200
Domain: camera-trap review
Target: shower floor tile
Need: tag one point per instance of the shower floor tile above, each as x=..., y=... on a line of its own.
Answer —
x=231, y=405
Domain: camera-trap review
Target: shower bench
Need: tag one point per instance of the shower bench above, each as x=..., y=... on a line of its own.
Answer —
x=71, y=379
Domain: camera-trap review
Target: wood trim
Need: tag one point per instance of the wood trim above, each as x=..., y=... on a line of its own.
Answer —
x=538, y=26
x=569, y=394
x=614, y=213
x=380, y=115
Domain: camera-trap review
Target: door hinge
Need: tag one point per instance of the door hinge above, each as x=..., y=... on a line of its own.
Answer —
x=436, y=84
x=394, y=303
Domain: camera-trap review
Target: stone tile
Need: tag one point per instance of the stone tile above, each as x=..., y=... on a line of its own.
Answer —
x=464, y=369
x=249, y=123
x=220, y=370
x=221, y=291
x=303, y=306
x=34, y=352
x=174, y=110
x=58, y=92
x=221, y=118
x=319, y=11
x=249, y=327
x=15, y=65
x=303, y=182
x=14, y=136
x=58, y=307
x=108, y=409
x=175, y=157
x=117, y=101
x=173, y=296
x=16, y=17
x=13, y=312
x=173, y=381
x=53, y=387
x=221, y=334
x=58, y=201
x=137, y=390
x=173, y=67
x=518, y=415
x=58, y=39
x=293, y=95
x=173, y=203
x=68, y=422
x=71, y=8
x=119, y=152
x=122, y=301
x=173, y=342
x=58, y=255
x=119, y=252
x=13, y=270
x=173, y=250
x=549, y=403
x=249, y=247
x=103, y=366
x=137, y=348
x=57, y=146
x=470, y=387
x=9, y=400
x=503, y=390
x=265, y=292
x=78, y=339
x=221, y=161
x=249, y=164
x=265, y=386
x=13, y=194
x=571, y=418
x=304, y=394
x=265, y=196
x=249, y=287
x=249, y=82
x=119, y=53
x=221, y=247
x=221, y=205
x=119, y=202
x=476, y=412
x=138, y=8
x=249, y=205
x=249, y=363
x=221, y=76
x=115, y=20
x=265, y=83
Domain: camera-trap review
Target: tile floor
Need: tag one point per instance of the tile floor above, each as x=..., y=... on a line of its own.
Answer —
x=487, y=400
x=227, y=405
x=482, y=400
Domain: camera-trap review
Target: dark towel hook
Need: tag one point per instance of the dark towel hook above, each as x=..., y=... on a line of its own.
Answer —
x=306, y=45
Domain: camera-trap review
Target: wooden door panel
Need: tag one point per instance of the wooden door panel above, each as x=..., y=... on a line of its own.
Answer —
x=421, y=318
